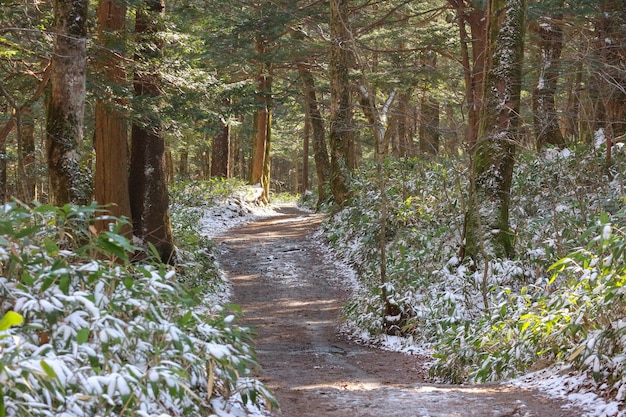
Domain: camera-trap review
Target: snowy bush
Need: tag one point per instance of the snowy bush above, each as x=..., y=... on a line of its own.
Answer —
x=500, y=318
x=102, y=336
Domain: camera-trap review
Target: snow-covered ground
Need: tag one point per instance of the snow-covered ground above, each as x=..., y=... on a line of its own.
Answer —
x=560, y=383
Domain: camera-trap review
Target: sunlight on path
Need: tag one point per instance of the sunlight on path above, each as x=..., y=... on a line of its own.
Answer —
x=291, y=296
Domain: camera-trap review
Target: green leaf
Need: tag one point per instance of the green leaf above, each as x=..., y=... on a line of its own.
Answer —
x=10, y=319
x=604, y=218
x=48, y=370
x=27, y=278
x=47, y=282
x=27, y=232
x=64, y=284
x=128, y=282
x=185, y=318
x=112, y=248
x=82, y=335
x=51, y=247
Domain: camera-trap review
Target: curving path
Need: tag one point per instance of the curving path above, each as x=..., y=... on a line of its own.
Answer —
x=291, y=295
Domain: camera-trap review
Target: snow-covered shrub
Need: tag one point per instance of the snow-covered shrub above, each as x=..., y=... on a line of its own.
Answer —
x=103, y=336
x=424, y=222
x=589, y=288
x=554, y=199
x=485, y=320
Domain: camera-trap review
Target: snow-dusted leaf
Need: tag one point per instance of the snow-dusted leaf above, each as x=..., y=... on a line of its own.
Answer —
x=10, y=319
x=82, y=336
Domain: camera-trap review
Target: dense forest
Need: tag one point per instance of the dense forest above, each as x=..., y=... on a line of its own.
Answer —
x=469, y=154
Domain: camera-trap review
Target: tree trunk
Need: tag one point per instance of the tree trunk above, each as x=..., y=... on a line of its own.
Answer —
x=487, y=231
x=377, y=119
x=306, y=139
x=572, y=106
x=267, y=160
x=3, y=174
x=340, y=106
x=550, y=33
x=473, y=59
x=69, y=182
x=429, y=125
x=111, y=133
x=26, y=157
x=23, y=117
x=220, y=153
x=406, y=121
x=320, y=152
x=183, y=165
x=148, y=182
x=610, y=76
x=261, y=118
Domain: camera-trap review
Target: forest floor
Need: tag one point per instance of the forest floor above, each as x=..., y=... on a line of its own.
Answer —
x=291, y=294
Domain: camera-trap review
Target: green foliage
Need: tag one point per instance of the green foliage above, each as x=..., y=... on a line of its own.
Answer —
x=553, y=302
x=422, y=197
x=104, y=336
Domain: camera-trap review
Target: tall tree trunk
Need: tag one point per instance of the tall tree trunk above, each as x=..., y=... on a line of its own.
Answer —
x=429, y=121
x=267, y=160
x=429, y=125
x=550, y=34
x=473, y=55
x=406, y=121
x=111, y=129
x=377, y=119
x=148, y=182
x=487, y=231
x=320, y=151
x=23, y=117
x=3, y=174
x=306, y=140
x=610, y=76
x=402, y=125
x=340, y=109
x=183, y=165
x=572, y=106
x=26, y=157
x=220, y=152
x=261, y=118
x=69, y=182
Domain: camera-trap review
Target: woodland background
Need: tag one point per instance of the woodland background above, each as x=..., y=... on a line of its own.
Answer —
x=470, y=153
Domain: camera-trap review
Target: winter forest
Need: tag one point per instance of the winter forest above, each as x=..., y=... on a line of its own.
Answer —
x=458, y=167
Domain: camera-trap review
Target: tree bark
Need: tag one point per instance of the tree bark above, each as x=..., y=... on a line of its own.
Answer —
x=69, y=181
x=320, y=151
x=306, y=140
x=183, y=165
x=26, y=157
x=610, y=75
x=340, y=108
x=220, y=153
x=148, y=180
x=429, y=126
x=550, y=33
x=473, y=55
x=572, y=106
x=267, y=160
x=487, y=231
x=3, y=174
x=429, y=120
x=111, y=129
x=261, y=118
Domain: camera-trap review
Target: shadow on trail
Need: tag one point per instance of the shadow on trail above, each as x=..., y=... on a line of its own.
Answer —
x=292, y=295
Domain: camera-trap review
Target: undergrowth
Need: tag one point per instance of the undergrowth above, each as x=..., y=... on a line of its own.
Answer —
x=561, y=298
x=86, y=332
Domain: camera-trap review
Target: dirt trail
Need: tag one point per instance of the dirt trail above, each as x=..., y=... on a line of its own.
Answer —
x=289, y=294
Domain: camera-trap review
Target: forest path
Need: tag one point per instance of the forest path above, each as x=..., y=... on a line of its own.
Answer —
x=291, y=296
